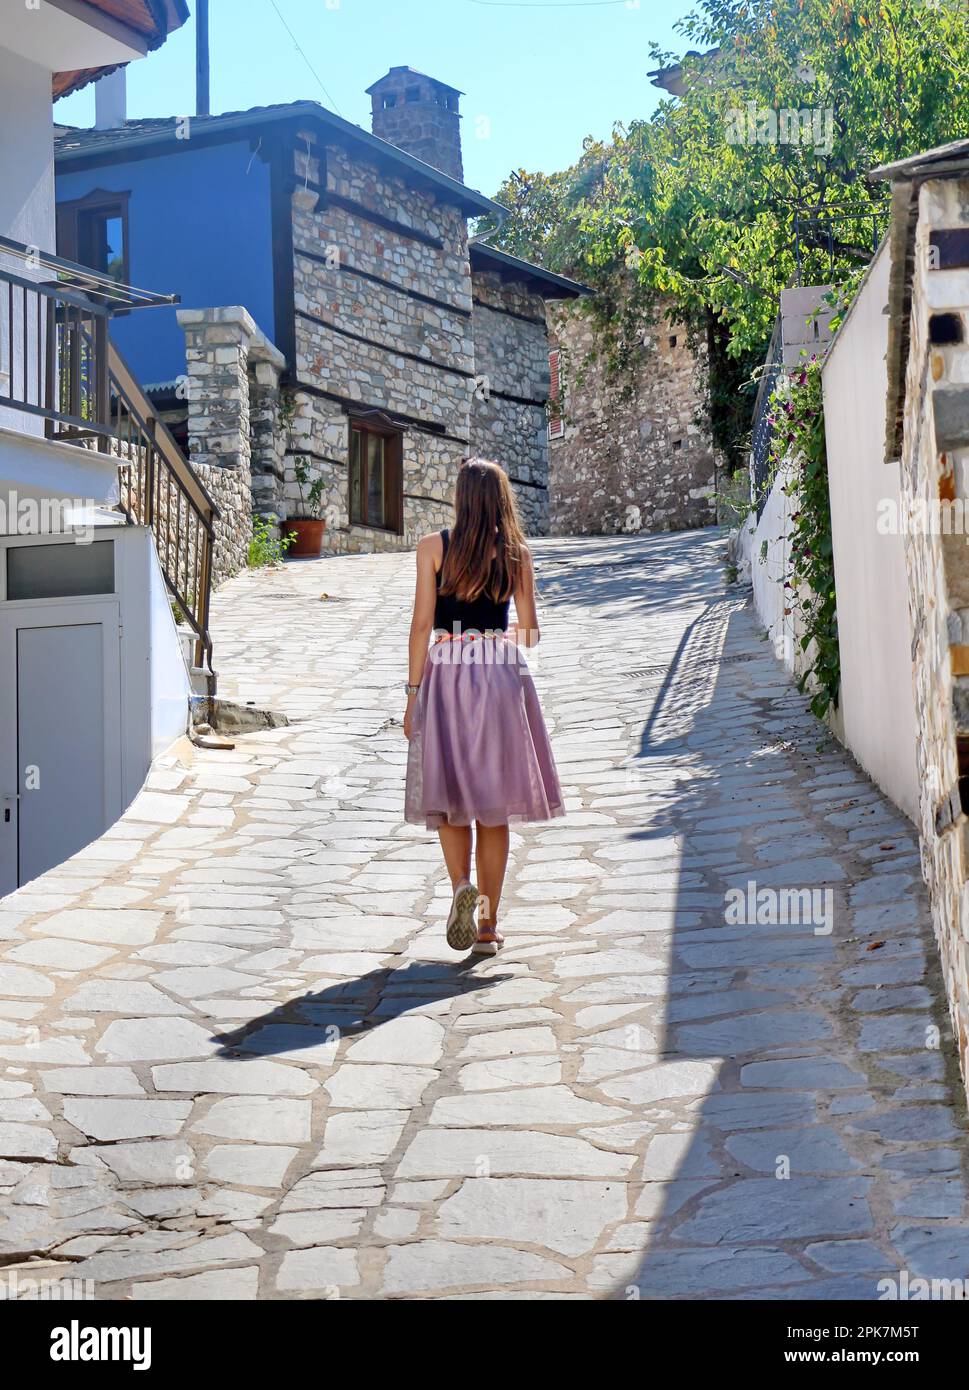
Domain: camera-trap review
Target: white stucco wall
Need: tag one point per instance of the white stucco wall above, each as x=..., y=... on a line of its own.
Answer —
x=765, y=546
x=26, y=152
x=35, y=42
x=156, y=686
x=26, y=192
x=877, y=700
x=170, y=686
x=34, y=470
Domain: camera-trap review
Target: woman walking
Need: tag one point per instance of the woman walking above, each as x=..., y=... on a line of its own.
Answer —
x=479, y=753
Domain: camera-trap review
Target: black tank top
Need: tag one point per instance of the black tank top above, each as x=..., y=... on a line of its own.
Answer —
x=481, y=614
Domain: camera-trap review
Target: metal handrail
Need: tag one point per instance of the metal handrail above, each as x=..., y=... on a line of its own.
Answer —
x=160, y=489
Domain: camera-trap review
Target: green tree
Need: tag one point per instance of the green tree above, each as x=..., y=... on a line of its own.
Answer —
x=707, y=201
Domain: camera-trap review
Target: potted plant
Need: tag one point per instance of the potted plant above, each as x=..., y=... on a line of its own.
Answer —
x=307, y=526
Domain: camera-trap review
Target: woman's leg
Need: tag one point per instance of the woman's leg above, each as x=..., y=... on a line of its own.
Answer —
x=456, y=844
x=491, y=856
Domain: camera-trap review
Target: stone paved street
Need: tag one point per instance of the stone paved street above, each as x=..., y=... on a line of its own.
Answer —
x=237, y=1059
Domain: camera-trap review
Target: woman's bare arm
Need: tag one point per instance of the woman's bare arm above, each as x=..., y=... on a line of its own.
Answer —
x=526, y=630
x=429, y=550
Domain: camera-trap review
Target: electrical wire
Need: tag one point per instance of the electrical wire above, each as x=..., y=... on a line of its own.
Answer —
x=306, y=60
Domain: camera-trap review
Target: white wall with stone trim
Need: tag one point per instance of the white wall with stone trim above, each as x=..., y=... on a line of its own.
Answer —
x=874, y=629
x=764, y=544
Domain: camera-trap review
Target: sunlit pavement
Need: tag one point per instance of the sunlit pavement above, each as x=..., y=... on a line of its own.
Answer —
x=237, y=1059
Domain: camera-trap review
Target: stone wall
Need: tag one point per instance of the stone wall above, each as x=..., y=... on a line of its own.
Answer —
x=267, y=435
x=508, y=410
x=222, y=347
x=383, y=322
x=935, y=469
x=635, y=455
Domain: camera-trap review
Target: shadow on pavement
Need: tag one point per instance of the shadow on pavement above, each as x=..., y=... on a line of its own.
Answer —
x=319, y=1020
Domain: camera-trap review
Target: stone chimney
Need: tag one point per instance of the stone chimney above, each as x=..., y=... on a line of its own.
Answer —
x=420, y=115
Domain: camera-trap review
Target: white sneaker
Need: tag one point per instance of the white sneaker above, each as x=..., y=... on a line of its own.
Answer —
x=461, y=927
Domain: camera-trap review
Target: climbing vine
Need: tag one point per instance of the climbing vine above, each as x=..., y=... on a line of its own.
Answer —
x=797, y=414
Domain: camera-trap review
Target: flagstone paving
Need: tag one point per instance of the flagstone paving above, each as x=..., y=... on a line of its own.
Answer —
x=237, y=1059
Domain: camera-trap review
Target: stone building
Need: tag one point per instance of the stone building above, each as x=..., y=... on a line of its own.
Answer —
x=630, y=449
x=928, y=431
x=334, y=307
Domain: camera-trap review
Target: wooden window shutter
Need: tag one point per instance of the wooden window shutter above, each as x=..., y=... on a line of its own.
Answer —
x=556, y=420
x=395, y=482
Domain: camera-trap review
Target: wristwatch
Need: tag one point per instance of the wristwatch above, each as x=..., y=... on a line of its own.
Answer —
x=412, y=689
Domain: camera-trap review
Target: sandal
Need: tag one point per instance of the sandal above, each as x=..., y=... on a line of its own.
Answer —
x=488, y=943
x=461, y=927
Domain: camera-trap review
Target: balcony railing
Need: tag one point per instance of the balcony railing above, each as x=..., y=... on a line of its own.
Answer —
x=58, y=362
x=54, y=339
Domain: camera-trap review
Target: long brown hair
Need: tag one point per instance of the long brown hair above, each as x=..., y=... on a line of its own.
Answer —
x=485, y=520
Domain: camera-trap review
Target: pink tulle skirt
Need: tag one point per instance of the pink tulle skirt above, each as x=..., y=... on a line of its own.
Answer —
x=479, y=750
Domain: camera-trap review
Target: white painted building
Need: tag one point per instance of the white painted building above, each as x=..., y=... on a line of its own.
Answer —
x=874, y=624
x=102, y=524
x=875, y=714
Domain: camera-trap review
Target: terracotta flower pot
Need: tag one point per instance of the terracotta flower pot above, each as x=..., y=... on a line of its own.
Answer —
x=309, y=535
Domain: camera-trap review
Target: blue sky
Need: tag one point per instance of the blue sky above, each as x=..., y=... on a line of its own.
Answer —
x=538, y=76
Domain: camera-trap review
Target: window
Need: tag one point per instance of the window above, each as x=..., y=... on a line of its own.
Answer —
x=94, y=231
x=412, y=94
x=376, y=476
x=60, y=570
x=556, y=419
x=673, y=340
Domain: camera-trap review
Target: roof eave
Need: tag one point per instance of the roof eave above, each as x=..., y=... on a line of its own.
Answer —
x=952, y=158
x=553, y=286
x=169, y=15
x=468, y=199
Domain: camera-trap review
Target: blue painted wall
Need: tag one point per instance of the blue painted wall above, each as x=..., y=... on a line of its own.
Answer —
x=199, y=226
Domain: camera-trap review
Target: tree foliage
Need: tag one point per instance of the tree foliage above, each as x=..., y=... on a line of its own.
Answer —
x=799, y=442
x=703, y=201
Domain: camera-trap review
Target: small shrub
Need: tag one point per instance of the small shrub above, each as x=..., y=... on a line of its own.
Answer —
x=310, y=493
x=734, y=504
x=267, y=546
